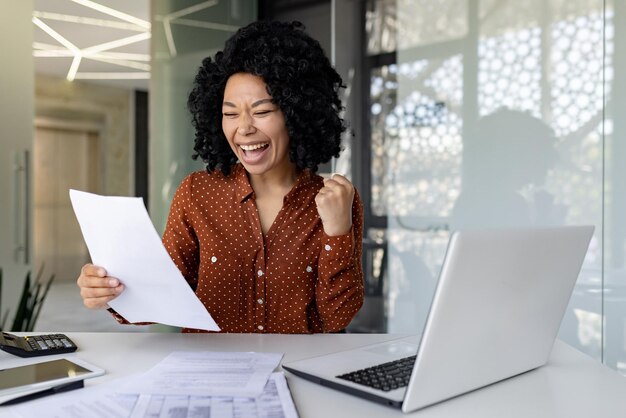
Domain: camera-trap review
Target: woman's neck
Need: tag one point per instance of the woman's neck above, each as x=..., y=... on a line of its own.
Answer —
x=277, y=181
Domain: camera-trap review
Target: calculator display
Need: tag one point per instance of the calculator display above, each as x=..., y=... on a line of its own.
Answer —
x=40, y=372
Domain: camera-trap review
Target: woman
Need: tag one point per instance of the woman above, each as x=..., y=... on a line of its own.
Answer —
x=266, y=244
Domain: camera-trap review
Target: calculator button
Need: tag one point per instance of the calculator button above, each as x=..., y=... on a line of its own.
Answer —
x=42, y=345
x=66, y=343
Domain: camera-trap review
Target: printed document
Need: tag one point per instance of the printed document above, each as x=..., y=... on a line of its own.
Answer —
x=205, y=373
x=274, y=402
x=106, y=400
x=121, y=238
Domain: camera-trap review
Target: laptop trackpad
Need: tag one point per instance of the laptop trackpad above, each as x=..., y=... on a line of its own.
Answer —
x=394, y=349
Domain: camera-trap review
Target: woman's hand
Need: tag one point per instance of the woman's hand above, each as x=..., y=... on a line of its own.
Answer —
x=334, y=205
x=96, y=288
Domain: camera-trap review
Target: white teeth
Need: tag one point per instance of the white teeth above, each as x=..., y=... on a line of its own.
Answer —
x=253, y=147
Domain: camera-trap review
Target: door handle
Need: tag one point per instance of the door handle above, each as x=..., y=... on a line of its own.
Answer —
x=21, y=207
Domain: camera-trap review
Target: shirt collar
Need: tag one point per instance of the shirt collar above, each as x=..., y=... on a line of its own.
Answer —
x=244, y=189
x=302, y=181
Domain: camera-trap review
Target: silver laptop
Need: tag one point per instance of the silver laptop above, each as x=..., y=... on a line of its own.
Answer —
x=495, y=314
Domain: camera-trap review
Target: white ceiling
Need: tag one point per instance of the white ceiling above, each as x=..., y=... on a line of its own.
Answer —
x=74, y=40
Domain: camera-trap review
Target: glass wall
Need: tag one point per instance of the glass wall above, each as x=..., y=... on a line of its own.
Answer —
x=613, y=293
x=495, y=113
x=183, y=33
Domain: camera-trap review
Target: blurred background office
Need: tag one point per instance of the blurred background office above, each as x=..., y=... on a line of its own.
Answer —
x=471, y=113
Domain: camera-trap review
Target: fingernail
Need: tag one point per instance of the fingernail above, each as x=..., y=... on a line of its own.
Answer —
x=101, y=273
x=113, y=282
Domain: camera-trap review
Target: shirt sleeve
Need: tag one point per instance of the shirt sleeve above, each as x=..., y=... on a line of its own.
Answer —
x=339, y=289
x=120, y=319
x=179, y=237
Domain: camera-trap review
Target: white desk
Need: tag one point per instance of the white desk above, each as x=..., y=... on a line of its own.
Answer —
x=570, y=386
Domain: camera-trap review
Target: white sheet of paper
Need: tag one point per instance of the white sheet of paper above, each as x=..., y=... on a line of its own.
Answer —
x=121, y=238
x=91, y=402
x=205, y=373
x=274, y=402
x=107, y=400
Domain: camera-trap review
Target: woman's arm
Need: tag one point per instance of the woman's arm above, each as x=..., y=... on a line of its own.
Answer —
x=339, y=289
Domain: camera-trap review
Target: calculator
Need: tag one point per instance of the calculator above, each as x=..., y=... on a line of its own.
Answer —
x=36, y=345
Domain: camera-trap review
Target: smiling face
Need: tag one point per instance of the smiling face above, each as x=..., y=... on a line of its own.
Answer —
x=255, y=127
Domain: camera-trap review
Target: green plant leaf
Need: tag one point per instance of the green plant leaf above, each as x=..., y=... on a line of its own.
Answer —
x=39, y=303
x=22, y=308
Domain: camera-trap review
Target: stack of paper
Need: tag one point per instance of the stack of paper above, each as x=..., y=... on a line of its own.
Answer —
x=184, y=384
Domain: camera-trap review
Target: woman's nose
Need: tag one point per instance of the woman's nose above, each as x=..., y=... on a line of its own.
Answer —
x=245, y=126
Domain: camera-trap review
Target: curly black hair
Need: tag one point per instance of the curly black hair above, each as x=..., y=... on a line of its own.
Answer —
x=300, y=80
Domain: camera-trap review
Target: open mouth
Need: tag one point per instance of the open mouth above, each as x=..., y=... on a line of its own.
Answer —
x=254, y=147
x=252, y=153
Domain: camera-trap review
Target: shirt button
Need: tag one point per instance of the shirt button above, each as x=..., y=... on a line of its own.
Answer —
x=260, y=301
x=213, y=259
x=260, y=327
x=327, y=247
x=259, y=273
x=309, y=269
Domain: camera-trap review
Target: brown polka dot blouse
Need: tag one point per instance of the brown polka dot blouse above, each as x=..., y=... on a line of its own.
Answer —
x=295, y=279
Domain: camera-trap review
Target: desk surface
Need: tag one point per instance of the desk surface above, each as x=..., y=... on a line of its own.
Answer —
x=571, y=385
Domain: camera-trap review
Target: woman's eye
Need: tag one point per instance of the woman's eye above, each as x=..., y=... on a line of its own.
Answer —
x=230, y=115
x=262, y=112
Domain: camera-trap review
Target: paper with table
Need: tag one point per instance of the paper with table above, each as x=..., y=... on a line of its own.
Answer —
x=274, y=402
x=104, y=401
x=121, y=238
x=258, y=393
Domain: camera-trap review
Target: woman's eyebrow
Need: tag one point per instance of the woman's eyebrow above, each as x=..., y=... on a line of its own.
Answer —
x=260, y=102
x=255, y=104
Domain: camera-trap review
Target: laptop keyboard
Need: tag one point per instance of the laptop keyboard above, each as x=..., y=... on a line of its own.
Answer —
x=386, y=376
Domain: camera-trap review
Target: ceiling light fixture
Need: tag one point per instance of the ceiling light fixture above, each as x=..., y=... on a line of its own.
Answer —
x=70, y=46
x=169, y=18
x=89, y=21
x=206, y=25
x=71, y=74
x=123, y=63
x=112, y=76
x=117, y=43
x=123, y=56
x=112, y=12
x=59, y=53
x=52, y=51
x=47, y=47
x=55, y=35
x=96, y=52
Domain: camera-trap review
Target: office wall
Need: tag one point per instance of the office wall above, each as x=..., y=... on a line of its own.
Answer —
x=16, y=139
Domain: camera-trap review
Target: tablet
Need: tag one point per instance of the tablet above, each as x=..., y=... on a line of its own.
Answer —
x=45, y=374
